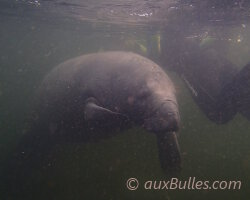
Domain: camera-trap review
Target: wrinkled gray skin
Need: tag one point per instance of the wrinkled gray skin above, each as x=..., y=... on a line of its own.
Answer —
x=92, y=97
x=88, y=97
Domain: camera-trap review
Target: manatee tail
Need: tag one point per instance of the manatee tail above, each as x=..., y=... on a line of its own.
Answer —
x=169, y=152
x=242, y=85
x=18, y=169
x=234, y=97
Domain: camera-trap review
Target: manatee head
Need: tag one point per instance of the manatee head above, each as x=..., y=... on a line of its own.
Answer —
x=164, y=119
x=162, y=109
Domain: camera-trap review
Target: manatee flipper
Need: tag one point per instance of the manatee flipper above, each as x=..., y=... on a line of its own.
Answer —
x=94, y=112
x=210, y=76
x=169, y=152
x=242, y=88
x=219, y=108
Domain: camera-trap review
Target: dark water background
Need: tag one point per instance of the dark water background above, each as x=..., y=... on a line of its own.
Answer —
x=37, y=35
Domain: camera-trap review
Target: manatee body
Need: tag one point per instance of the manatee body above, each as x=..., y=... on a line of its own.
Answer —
x=210, y=77
x=241, y=85
x=91, y=96
x=219, y=87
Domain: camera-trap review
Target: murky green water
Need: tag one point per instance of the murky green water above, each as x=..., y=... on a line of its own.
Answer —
x=31, y=47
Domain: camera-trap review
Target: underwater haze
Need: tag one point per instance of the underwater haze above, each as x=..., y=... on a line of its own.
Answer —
x=37, y=35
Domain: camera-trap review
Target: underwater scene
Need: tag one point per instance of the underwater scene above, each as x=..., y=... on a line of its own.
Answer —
x=124, y=99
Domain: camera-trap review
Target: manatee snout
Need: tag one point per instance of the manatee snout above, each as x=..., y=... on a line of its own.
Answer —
x=165, y=123
x=171, y=112
x=165, y=119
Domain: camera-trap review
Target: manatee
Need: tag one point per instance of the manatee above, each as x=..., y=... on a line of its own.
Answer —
x=210, y=78
x=219, y=88
x=241, y=85
x=93, y=96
